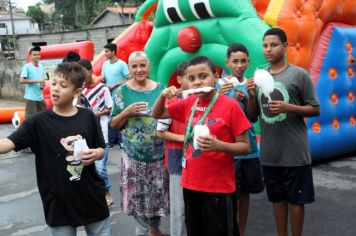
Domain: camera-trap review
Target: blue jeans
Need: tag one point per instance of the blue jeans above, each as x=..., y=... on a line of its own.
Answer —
x=100, y=228
x=144, y=224
x=101, y=168
x=114, y=136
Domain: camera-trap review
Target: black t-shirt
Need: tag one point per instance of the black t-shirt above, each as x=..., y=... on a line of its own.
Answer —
x=68, y=197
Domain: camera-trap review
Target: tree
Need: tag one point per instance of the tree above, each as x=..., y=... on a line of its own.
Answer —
x=79, y=13
x=36, y=13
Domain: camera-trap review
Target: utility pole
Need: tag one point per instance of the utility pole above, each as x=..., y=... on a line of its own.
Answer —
x=12, y=19
x=123, y=2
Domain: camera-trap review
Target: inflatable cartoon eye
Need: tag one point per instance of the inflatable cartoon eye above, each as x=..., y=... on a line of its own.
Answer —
x=201, y=9
x=172, y=12
x=16, y=120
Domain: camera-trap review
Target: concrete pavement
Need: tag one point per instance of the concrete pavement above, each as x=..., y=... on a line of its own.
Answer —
x=333, y=213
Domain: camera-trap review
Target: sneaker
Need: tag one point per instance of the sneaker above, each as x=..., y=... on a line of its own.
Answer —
x=110, y=146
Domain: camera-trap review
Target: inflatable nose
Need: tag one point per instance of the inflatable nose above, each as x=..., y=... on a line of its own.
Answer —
x=189, y=39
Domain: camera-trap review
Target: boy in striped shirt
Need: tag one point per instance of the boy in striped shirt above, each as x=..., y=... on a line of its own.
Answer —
x=100, y=100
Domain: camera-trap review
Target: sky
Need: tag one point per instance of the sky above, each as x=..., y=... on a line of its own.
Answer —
x=25, y=3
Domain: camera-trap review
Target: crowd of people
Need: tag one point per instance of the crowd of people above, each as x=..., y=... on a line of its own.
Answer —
x=203, y=182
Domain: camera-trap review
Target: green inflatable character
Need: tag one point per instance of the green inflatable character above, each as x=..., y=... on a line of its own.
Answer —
x=187, y=28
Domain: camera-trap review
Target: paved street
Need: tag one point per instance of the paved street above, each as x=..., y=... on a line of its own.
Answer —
x=333, y=213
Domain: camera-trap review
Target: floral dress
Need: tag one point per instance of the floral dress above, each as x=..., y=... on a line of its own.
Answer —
x=144, y=179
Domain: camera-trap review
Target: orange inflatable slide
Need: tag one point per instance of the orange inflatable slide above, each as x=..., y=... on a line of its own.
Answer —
x=8, y=112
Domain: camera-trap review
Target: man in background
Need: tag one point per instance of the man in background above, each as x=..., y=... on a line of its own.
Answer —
x=33, y=76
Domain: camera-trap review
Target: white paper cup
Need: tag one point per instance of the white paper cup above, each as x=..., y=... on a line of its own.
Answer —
x=79, y=146
x=144, y=111
x=200, y=130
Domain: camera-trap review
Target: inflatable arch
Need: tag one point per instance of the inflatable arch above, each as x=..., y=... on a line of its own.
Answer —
x=134, y=38
x=52, y=55
x=187, y=28
x=321, y=38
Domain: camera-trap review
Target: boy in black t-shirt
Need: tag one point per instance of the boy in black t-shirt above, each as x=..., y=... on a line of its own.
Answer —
x=71, y=191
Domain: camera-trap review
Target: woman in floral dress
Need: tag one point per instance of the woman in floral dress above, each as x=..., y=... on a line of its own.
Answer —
x=144, y=180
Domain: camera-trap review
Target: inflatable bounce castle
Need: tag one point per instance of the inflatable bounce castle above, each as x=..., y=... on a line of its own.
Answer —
x=321, y=39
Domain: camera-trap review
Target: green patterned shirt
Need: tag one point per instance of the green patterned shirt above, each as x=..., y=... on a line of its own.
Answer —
x=140, y=141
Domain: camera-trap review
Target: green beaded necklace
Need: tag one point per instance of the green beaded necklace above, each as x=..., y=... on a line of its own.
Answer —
x=189, y=133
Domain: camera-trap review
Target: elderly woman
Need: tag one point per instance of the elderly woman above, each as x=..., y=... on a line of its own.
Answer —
x=144, y=180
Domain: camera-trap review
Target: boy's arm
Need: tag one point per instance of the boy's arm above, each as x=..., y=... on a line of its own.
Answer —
x=241, y=146
x=159, y=110
x=304, y=111
x=6, y=145
x=252, y=107
x=111, y=87
x=106, y=111
x=163, y=133
x=24, y=80
x=169, y=136
x=108, y=103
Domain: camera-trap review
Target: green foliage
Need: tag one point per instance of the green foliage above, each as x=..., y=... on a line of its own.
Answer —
x=99, y=6
x=79, y=13
x=37, y=14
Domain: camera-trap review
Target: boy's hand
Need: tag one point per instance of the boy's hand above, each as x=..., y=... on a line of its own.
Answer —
x=208, y=143
x=89, y=156
x=224, y=89
x=240, y=95
x=251, y=88
x=137, y=108
x=278, y=106
x=170, y=92
x=42, y=82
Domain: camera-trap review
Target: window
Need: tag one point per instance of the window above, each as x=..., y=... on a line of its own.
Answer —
x=2, y=25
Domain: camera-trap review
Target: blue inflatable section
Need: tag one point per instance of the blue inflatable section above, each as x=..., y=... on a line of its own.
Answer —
x=337, y=133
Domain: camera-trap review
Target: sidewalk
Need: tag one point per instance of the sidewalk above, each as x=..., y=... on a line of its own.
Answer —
x=8, y=103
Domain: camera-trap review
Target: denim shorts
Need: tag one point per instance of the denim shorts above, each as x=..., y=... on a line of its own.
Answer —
x=99, y=228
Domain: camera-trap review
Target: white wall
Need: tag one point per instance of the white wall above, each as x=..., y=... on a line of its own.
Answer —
x=21, y=27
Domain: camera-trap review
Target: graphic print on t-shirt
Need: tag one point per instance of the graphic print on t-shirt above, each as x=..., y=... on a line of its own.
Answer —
x=75, y=166
x=279, y=93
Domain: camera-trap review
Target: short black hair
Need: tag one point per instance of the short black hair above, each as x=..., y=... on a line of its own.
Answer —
x=34, y=49
x=72, y=72
x=236, y=47
x=111, y=46
x=278, y=32
x=182, y=68
x=202, y=60
x=71, y=56
x=86, y=64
